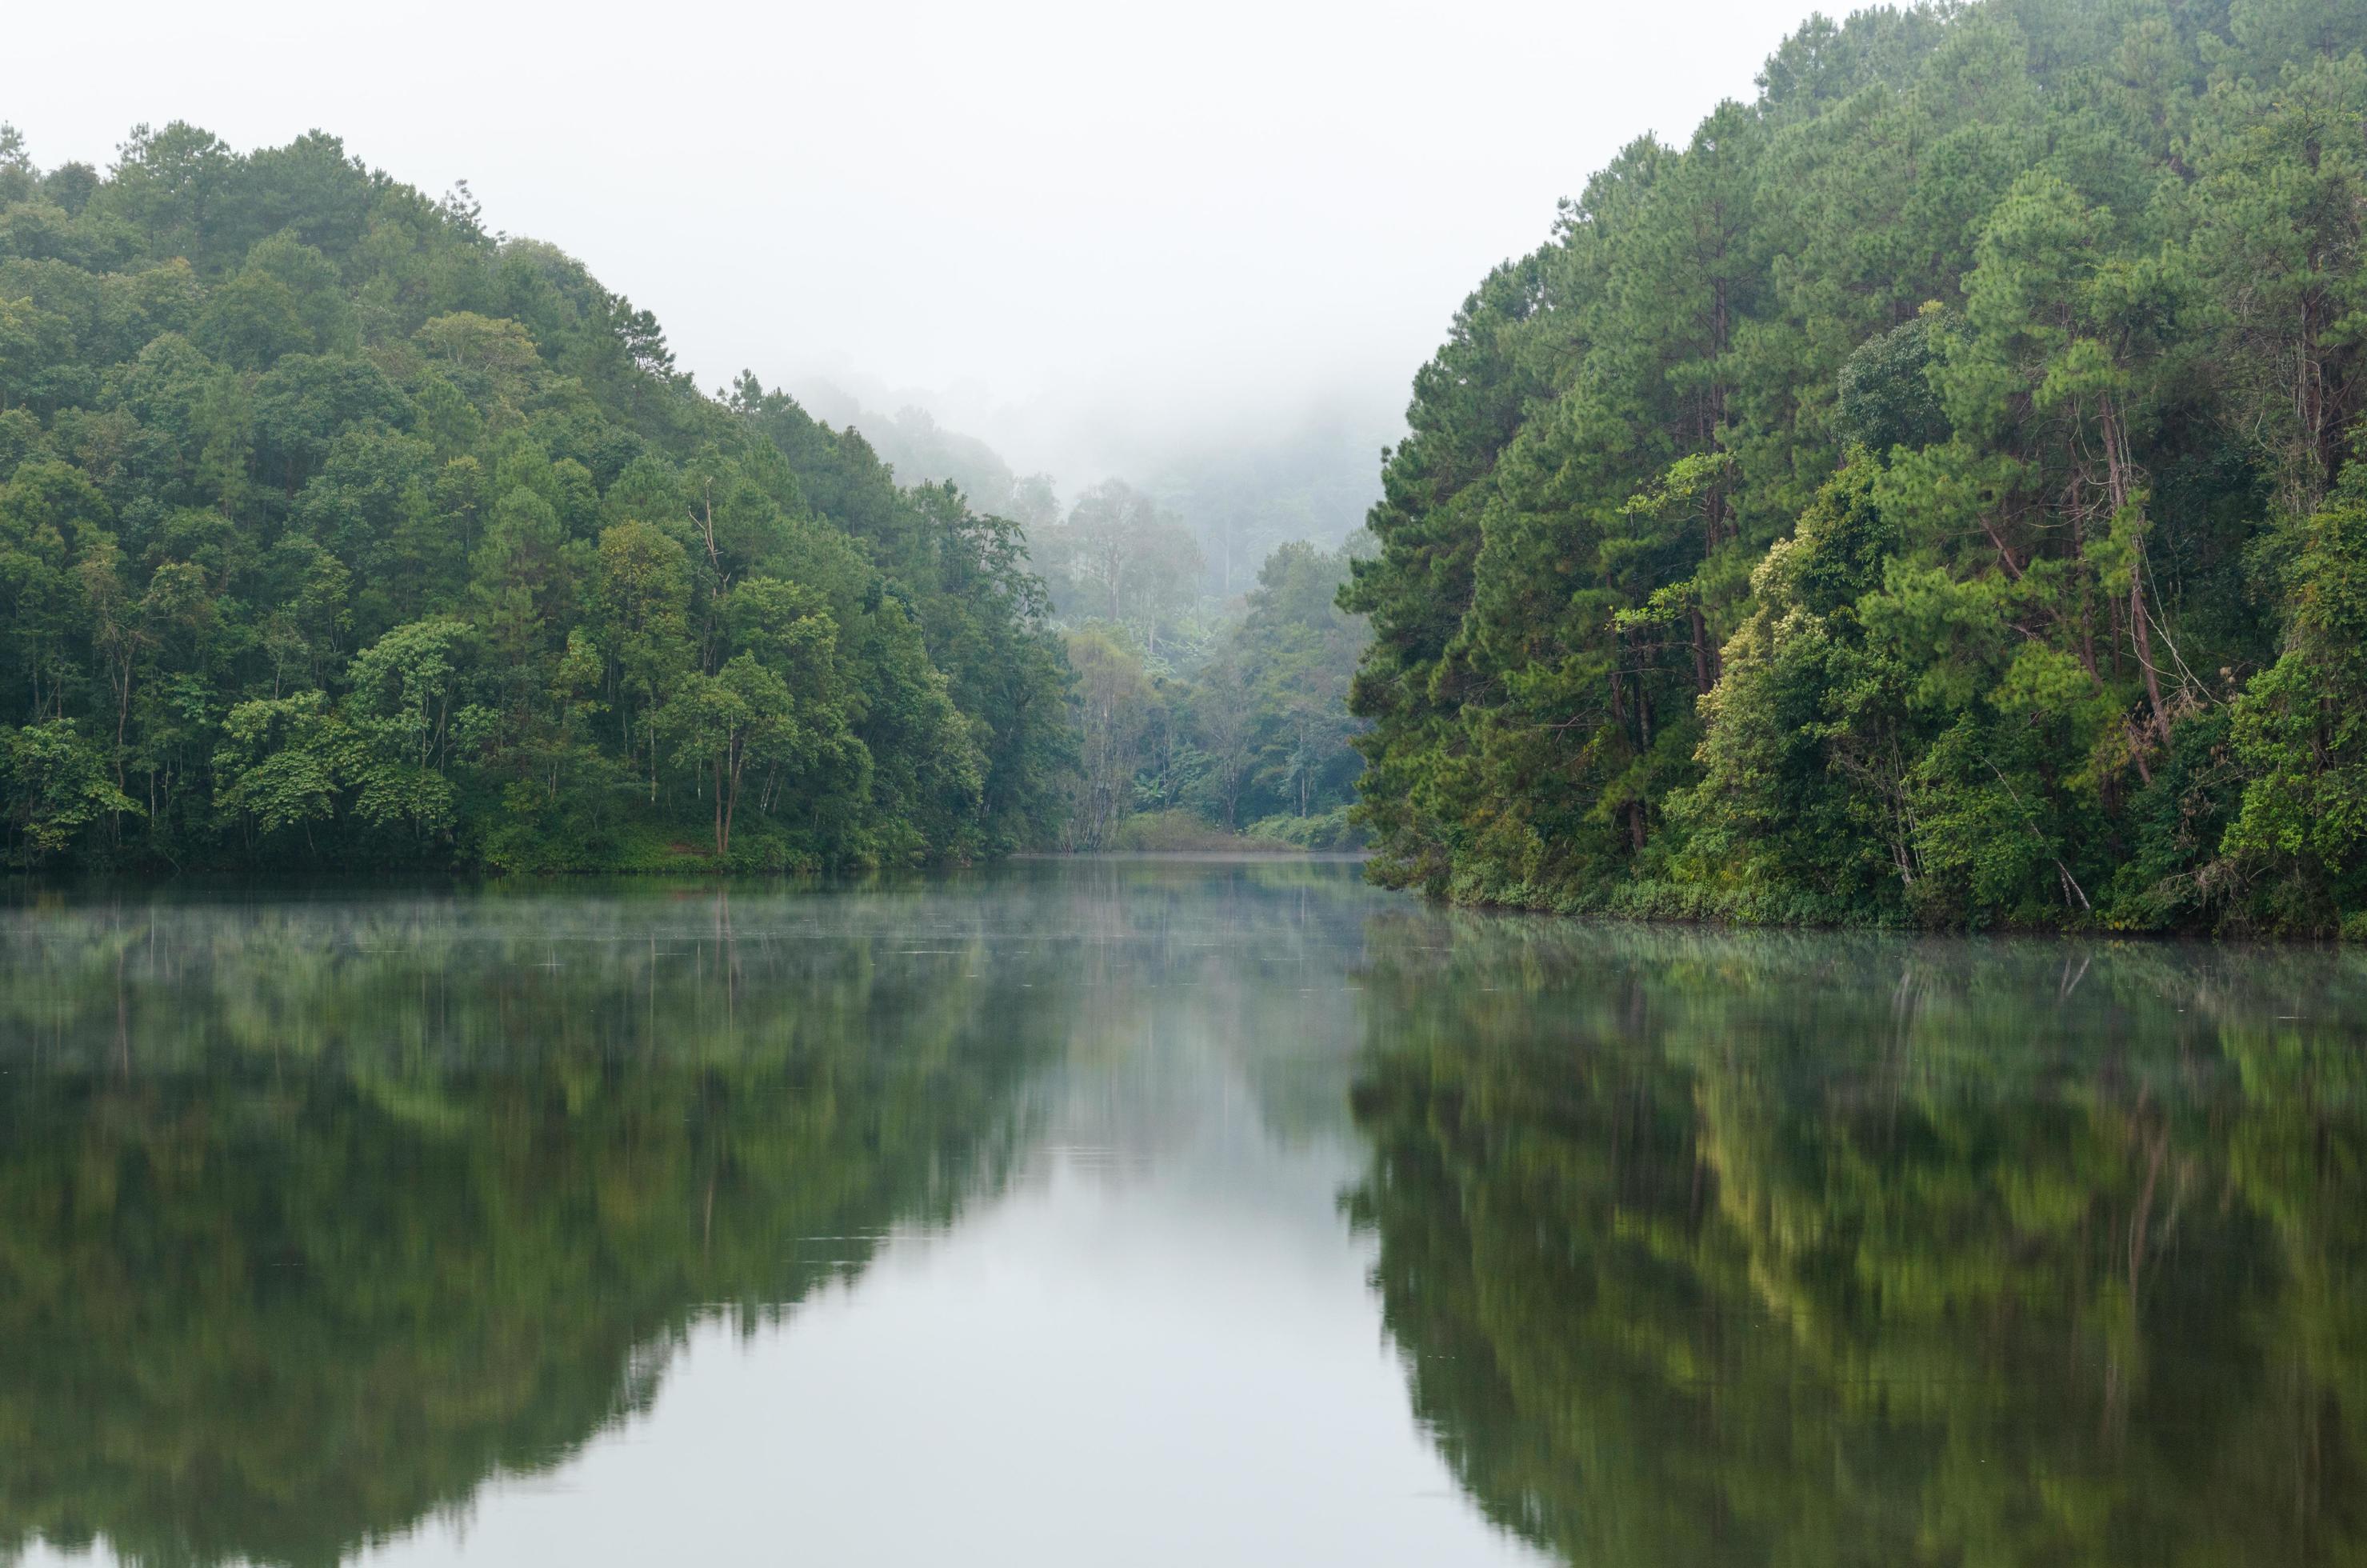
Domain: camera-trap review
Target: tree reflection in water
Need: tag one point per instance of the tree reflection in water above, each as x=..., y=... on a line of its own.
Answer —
x=314, y=1216
x=1796, y=1250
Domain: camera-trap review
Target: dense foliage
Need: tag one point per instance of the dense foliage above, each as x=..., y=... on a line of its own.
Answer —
x=336, y=530
x=1926, y=495
x=1199, y=612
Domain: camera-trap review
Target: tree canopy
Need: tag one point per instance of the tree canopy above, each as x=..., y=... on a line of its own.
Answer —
x=1926, y=495
x=337, y=530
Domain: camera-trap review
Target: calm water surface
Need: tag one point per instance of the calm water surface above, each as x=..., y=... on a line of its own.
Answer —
x=1151, y=1213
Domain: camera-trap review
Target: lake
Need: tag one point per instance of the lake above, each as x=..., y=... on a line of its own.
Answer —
x=1163, y=1212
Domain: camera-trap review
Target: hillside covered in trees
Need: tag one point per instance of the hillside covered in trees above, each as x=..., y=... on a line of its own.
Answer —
x=1928, y=494
x=335, y=529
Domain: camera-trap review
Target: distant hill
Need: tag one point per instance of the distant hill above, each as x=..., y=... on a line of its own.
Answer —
x=1312, y=481
x=921, y=451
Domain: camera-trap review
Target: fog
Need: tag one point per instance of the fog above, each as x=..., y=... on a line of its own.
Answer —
x=1094, y=236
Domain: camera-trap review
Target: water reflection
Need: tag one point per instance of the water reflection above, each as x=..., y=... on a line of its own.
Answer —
x=986, y=1218
x=314, y=1215
x=1163, y=1213
x=1757, y=1249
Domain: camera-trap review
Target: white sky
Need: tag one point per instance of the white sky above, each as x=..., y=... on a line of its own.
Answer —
x=1052, y=222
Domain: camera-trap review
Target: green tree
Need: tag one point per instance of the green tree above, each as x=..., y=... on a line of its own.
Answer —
x=2300, y=839
x=1108, y=700
x=746, y=713
x=57, y=787
x=284, y=762
x=641, y=601
x=406, y=710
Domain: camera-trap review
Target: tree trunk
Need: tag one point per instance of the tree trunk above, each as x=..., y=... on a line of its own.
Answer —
x=737, y=758
x=2145, y=645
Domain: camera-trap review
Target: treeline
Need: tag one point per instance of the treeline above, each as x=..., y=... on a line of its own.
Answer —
x=337, y=530
x=1928, y=496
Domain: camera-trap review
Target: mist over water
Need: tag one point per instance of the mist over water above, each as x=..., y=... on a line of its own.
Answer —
x=1164, y=1212
x=992, y=1218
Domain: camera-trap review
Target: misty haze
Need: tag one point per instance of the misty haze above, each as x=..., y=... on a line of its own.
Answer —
x=1278, y=784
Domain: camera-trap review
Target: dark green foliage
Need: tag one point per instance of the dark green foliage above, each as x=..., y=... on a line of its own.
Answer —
x=334, y=530
x=1885, y=397
x=2299, y=840
x=1908, y=501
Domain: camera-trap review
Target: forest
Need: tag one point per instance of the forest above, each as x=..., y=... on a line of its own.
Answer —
x=337, y=530
x=1927, y=495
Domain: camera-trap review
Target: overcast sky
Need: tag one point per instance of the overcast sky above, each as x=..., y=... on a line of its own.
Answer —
x=1057, y=223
